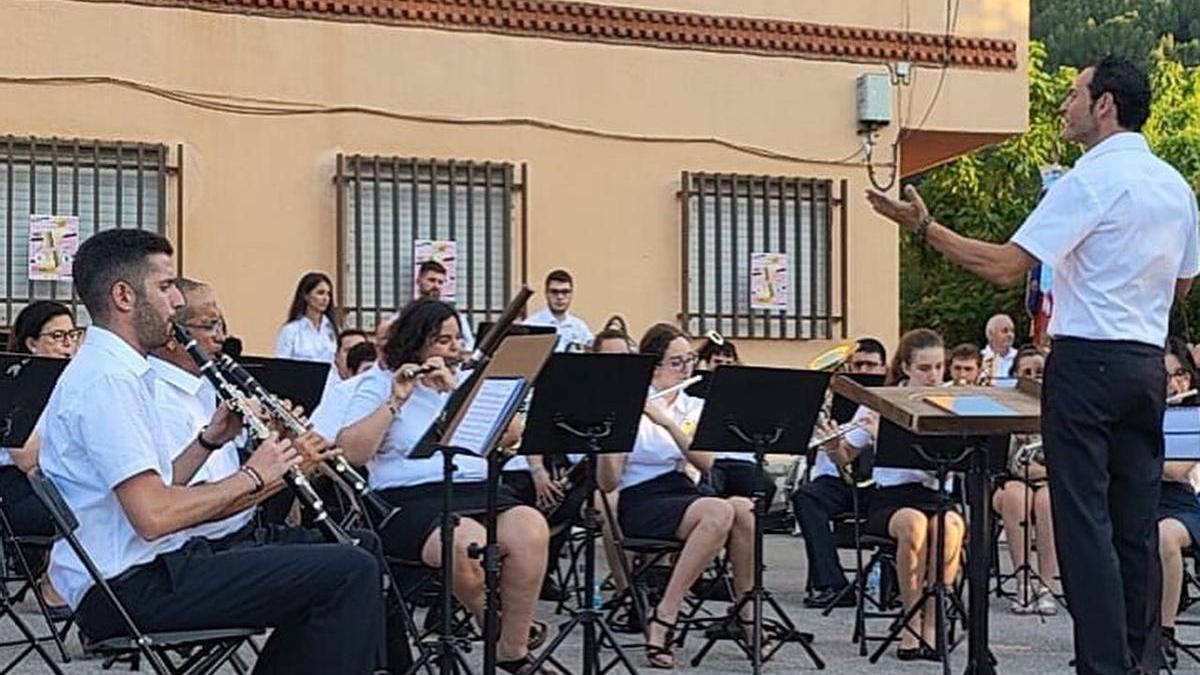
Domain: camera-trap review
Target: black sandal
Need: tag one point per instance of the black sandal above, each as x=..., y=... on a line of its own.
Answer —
x=521, y=666
x=654, y=653
x=538, y=630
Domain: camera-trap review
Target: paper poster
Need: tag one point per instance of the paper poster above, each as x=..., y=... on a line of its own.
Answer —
x=52, y=244
x=769, y=281
x=444, y=252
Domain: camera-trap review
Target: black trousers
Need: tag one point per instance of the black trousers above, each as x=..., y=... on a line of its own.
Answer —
x=25, y=513
x=814, y=504
x=325, y=601
x=733, y=478
x=1102, y=416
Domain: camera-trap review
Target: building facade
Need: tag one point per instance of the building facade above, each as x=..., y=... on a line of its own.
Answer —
x=687, y=160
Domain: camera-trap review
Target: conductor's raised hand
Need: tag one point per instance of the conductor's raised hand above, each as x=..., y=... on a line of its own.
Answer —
x=907, y=212
x=273, y=458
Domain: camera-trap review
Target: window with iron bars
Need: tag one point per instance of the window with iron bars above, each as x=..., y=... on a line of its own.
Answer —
x=104, y=184
x=388, y=204
x=729, y=221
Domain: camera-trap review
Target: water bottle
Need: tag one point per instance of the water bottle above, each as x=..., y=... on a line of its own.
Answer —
x=873, y=581
x=597, y=596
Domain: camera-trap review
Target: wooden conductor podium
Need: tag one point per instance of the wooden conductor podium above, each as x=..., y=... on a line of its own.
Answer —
x=972, y=415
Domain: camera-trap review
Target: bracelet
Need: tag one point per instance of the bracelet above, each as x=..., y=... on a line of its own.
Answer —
x=258, y=481
x=394, y=406
x=211, y=447
x=923, y=227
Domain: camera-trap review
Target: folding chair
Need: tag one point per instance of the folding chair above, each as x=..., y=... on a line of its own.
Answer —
x=15, y=568
x=192, y=652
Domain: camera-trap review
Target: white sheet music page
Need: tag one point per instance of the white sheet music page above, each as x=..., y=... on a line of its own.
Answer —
x=479, y=424
x=1181, y=427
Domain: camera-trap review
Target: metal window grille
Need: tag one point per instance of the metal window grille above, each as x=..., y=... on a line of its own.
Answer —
x=386, y=204
x=105, y=184
x=726, y=218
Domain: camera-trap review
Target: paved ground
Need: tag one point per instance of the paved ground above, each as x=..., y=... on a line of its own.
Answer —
x=1022, y=644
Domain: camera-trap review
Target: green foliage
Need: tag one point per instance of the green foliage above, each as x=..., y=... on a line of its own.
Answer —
x=987, y=194
x=1075, y=31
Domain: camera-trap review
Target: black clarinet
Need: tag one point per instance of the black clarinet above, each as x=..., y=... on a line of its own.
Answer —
x=240, y=403
x=299, y=424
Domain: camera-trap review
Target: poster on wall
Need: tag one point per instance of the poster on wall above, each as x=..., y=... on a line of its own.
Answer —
x=769, y=276
x=52, y=244
x=444, y=252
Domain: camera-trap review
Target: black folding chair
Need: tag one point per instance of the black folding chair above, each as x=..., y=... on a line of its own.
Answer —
x=15, y=568
x=191, y=652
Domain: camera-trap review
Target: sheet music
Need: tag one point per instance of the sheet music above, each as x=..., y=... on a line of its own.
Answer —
x=479, y=424
x=1181, y=429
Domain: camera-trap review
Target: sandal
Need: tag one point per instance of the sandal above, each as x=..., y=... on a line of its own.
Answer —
x=521, y=666
x=537, y=634
x=655, y=654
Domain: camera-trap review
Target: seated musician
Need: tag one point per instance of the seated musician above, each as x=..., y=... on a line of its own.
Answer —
x=1024, y=495
x=966, y=364
x=659, y=501
x=388, y=414
x=1178, y=509
x=105, y=445
x=826, y=494
x=905, y=501
x=44, y=328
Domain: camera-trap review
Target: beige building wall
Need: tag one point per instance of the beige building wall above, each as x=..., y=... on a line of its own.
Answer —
x=259, y=200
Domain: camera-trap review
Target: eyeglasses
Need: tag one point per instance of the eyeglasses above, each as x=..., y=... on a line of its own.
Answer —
x=63, y=335
x=559, y=291
x=679, y=362
x=217, y=326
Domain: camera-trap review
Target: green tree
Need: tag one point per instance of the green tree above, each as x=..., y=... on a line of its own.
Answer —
x=988, y=193
x=1075, y=31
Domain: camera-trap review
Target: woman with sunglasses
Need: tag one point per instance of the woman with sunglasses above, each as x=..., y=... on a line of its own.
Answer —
x=43, y=328
x=660, y=501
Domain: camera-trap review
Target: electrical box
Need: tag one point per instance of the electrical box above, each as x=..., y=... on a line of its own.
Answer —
x=874, y=100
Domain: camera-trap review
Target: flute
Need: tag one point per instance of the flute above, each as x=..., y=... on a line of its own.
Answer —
x=414, y=373
x=841, y=431
x=1181, y=396
x=671, y=390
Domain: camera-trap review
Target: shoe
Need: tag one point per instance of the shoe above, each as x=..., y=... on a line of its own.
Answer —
x=825, y=598
x=1046, y=604
x=59, y=613
x=521, y=666
x=660, y=657
x=1024, y=601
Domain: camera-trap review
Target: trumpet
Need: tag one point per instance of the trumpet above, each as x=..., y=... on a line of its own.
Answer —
x=337, y=466
x=242, y=404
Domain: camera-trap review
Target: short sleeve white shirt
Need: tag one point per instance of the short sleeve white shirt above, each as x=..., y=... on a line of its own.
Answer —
x=185, y=409
x=102, y=427
x=300, y=340
x=573, y=333
x=391, y=466
x=654, y=450
x=1002, y=365
x=861, y=438
x=330, y=414
x=1118, y=229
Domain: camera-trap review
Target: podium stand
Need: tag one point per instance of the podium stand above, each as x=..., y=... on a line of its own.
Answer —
x=991, y=412
x=738, y=417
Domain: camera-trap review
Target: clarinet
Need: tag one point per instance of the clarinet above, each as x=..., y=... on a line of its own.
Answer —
x=299, y=424
x=240, y=403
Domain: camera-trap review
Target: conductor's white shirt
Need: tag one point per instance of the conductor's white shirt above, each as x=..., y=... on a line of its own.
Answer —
x=391, y=466
x=1118, y=229
x=655, y=451
x=186, y=405
x=301, y=340
x=102, y=426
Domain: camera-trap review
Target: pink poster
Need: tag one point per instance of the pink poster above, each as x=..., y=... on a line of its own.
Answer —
x=52, y=244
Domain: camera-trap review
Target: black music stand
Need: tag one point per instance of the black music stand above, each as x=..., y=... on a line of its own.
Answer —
x=738, y=417
x=26, y=383
x=600, y=418
x=301, y=382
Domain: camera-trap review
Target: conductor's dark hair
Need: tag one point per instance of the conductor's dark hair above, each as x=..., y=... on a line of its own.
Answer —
x=30, y=321
x=657, y=338
x=1130, y=88
x=300, y=298
x=110, y=256
x=419, y=322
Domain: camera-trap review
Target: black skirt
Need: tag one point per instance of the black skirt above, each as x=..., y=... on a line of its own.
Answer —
x=1177, y=501
x=421, y=513
x=885, y=502
x=654, y=509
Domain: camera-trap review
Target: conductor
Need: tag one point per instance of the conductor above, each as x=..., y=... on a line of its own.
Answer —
x=1119, y=231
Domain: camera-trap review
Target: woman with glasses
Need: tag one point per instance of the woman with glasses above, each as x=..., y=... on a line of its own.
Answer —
x=311, y=331
x=43, y=328
x=660, y=501
x=1178, y=509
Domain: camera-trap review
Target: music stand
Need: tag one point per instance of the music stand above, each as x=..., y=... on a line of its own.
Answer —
x=737, y=417
x=700, y=389
x=517, y=329
x=301, y=382
x=600, y=418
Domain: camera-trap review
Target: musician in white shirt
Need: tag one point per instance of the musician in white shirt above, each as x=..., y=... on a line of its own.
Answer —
x=311, y=331
x=905, y=500
x=658, y=500
x=388, y=414
x=126, y=483
x=573, y=332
